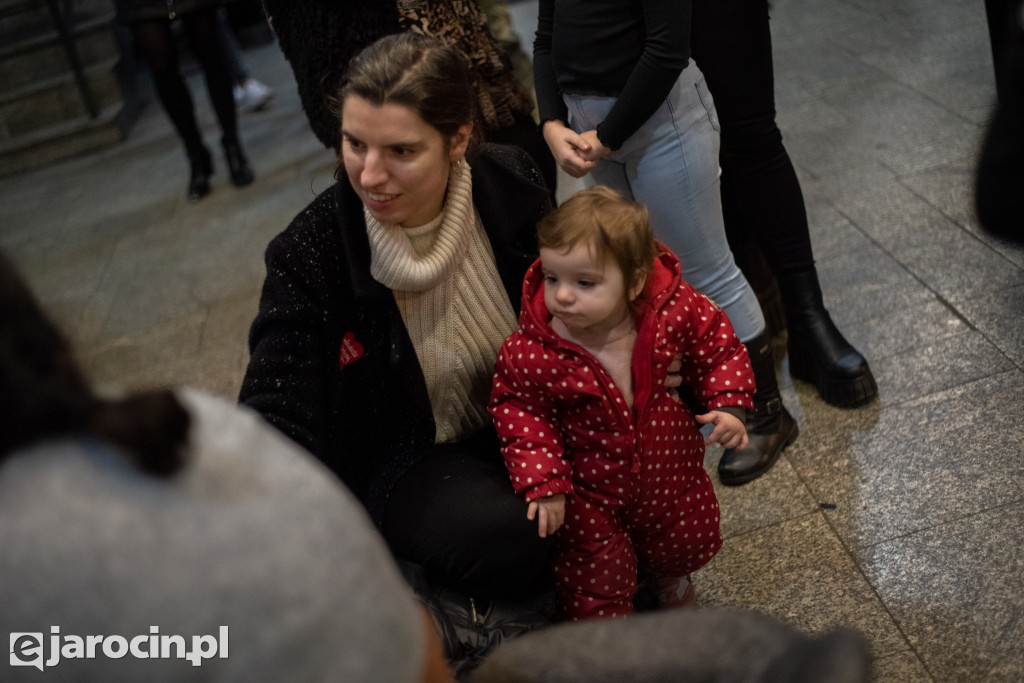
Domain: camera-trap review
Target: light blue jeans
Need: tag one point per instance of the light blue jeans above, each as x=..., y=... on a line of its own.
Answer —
x=671, y=166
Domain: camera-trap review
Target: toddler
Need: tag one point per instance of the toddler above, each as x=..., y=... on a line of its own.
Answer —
x=591, y=437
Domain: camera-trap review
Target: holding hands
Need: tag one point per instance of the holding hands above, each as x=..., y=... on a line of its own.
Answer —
x=729, y=430
x=575, y=153
x=549, y=512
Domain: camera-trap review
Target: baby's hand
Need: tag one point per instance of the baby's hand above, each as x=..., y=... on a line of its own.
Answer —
x=552, y=514
x=729, y=430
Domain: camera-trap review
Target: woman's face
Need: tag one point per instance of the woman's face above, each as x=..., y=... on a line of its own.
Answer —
x=397, y=163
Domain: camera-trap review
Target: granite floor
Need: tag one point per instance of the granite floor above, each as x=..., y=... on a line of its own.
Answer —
x=903, y=519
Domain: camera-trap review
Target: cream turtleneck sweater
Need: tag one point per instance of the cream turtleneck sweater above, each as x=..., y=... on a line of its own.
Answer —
x=452, y=302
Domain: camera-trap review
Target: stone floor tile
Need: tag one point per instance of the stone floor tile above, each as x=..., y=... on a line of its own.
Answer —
x=895, y=331
x=223, y=350
x=165, y=356
x=959, y=583
x=902, y=667
x=898, y=474
x=776, y=496
x=999, y=316
x=944, y=364
x=893, y=216
x=832, y=234
x=860, y=284
x=799, y=572
x=980, y=269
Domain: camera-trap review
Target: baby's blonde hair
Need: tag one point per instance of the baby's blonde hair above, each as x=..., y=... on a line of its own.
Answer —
x=609, y=224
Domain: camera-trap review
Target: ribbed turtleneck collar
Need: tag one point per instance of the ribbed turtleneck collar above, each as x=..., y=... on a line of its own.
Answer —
x=416, y=259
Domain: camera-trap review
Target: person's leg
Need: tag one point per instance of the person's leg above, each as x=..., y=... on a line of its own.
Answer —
x=675, y=523
x=201, y=28
x=232, y=50
x=595, y=567
x=156, y=43
x=761, y=195
x=455, y=514
x=249, y=93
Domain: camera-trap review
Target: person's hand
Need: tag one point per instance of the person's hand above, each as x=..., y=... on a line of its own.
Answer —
x=568, y=148
x=597, y=149
x=674, y=378
x=729, y=430
x=550, y=514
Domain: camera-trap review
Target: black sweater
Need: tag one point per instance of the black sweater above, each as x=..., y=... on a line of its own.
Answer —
x=332, y=365
x=630, y=49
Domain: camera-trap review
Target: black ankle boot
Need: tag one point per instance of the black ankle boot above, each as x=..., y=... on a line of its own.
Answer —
x=818, y=352
x=238, y=165
x=770, y=427
x=201, y=168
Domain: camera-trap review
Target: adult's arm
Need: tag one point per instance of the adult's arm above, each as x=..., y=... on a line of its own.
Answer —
x=567, y=147
x=285, y=379
x=550, y=105
x=666, y=53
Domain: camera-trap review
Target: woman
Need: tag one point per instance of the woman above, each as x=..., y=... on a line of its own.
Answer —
x=150, y=23
x=176, y=511
x=385, y=302
x=621, y=99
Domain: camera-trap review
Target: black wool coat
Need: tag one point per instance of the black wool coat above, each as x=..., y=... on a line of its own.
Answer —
x=331, y=363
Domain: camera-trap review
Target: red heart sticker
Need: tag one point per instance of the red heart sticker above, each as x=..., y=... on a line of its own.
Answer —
x=351, y=350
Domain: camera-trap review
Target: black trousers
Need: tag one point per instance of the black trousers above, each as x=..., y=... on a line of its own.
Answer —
x=455, y=513
x=761, y=196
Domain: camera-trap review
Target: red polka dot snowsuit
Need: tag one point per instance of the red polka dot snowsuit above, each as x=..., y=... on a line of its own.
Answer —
x=635, y=480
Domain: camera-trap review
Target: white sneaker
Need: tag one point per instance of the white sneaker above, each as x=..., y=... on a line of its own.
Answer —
x=252, y=95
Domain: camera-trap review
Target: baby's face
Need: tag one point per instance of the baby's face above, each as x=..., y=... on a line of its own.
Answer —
x=586, y=295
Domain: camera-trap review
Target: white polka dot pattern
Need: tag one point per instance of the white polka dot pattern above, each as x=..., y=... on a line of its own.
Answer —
x=564, y=428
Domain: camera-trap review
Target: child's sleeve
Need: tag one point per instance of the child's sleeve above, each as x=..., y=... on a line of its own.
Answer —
x=525, y=417
x=715, y=361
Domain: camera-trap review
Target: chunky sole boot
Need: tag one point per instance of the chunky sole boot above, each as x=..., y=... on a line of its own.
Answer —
x=818, y=352
x=201, y=168
x=238, y=165
x=770, y=427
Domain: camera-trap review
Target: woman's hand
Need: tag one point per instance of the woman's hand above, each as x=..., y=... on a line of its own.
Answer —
x=674, y=378
x=550, y=514
x=569, y=149
x=729, y=430
x=597, y=149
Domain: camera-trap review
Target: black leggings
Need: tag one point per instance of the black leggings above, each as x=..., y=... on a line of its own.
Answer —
x=156, y=42
x=455, y=513
x=761, y=196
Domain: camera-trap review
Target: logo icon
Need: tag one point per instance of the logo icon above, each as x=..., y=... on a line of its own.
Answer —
x=27, y=649
x=351, y=350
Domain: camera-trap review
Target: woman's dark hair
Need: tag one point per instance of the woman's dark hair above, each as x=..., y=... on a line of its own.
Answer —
x=44, y=395
x=416, y=71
